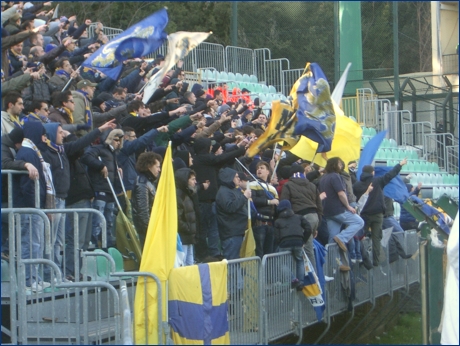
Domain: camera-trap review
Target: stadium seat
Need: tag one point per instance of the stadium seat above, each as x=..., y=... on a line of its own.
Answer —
x=238, y=77
x=102, y=265
x=272, y=89
x=253, y=79
x=410, y=166
x=436, y=192
x=392, y=143
x=434, y=167
x=223, y=77
x=231, y=76
x=265, y=89
x=5, y=271
x=246, y=78
x=118, y=258
x=262, y=97
x=385, y=143
x=455, y=180
x=372, y=131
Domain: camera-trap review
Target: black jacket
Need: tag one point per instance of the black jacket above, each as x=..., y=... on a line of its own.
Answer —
x=291, y=227
x=231, y=207
x=142, y=199
x=205, y=165
x=186, y=208
x=303, y=195
x=59, y=162
x=109, y=159
x=375, y=203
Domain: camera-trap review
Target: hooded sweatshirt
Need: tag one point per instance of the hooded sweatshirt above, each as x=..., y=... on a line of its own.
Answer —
x=23, y=186
x=186, y=207
x=231, y=207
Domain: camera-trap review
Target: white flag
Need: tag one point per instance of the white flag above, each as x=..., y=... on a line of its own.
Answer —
x=340, y=87
x=179, y=45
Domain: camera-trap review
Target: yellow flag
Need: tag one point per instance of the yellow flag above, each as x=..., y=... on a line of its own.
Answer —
x=280, y=128
x=157, y=257
x=346, y=143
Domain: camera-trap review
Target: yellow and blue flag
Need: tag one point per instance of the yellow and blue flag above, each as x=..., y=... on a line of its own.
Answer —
x=137, y=41
x=312, y=289
x=279, y=128
x=158, y=257
x=315, y=112
x=198, y=306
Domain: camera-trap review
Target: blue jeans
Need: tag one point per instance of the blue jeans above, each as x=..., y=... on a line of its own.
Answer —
x=84, y=234
x=188, y=250
x=296, y=252
x=354, y=246
x=209, y=228
x=264, y=236
x=109, y=211
x=390, y=221
x=353, y=222
x=32, y=242
x=231, y=247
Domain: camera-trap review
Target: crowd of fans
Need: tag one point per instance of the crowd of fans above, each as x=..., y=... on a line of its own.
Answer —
x=86, y=136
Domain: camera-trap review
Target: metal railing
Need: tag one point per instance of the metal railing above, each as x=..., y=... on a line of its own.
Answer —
x=450, y=64
x=109, y=32
x=452, y=159
x=239, y=60
x=414, y=133
x=289, y=78
x=10, y=174
x=435, y=148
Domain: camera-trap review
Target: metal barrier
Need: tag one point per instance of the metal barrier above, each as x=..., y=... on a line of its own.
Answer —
x=394, y=122
x=281, y=315
x=365, y=107
x=260, y=69
x=127, y=330
x=67, y=312
x=452, y=159
x=435, y=148
x=414, y=133
x=245, y=301
x=208, y=54
x=10, y=174
x=274, y=72
x=289, y=79
x=109, y=32
x=239, y=60
x=413, y=264
x=350, y=106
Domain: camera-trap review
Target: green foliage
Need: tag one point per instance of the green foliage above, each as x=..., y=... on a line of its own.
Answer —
x=299, y=31
x=408, y=331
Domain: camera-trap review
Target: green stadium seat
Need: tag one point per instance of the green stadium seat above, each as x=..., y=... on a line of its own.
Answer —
x=455, y=180
x=118, y=258
x=446, y=179
x=372, y=131
x=102, y=265
x=253, y=79
x=272, y=89
x=434, y=167
x=231, y=76
x=385, y=143
x=5, y=271
x=223, y=77
x=262, y=97
x=265, y=89
x=246, y=78
x=393, y=143
x=410, y=166
x=238, y=77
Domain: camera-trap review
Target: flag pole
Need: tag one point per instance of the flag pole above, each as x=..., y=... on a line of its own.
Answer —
x=276, y=166
x=71, y=78
x=253, y=177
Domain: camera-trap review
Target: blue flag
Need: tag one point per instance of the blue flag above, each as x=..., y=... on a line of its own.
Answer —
x=315, y=113
x=369, y=151
x=139, y=40
x=396, y=188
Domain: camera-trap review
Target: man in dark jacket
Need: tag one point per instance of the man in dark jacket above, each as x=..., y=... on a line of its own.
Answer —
x=406, y=219
x=291, y=232
x=373, y=211
x=232, y=213
x=265, y=198
x=206, y=164
x=187, y=207
x=305, y=201
x=56, y=154
x=103, y=168
x=32, y=226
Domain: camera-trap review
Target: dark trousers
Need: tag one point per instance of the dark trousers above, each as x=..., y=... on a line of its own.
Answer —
x=264, y=236
x=374, y=223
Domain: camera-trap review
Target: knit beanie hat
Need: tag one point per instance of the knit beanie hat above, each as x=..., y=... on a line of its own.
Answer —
x=16, y=135
x=368, y=169
x=284, y=204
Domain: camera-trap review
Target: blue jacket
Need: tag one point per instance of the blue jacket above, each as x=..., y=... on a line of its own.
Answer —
x=127, y=157
x=23, y=186
x=405, y=216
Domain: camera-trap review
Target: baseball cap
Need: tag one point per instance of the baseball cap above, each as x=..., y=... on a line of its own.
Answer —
x=83, y=83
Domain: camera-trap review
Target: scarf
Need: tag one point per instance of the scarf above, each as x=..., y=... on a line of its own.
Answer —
x=66, y=111
x=88, y=115
x=16, y=121
x=61, y=72
x=50, y=192
x=38, y=117
x=134, y=114
x=298, y=175
x=55, y=147
x=17, y=56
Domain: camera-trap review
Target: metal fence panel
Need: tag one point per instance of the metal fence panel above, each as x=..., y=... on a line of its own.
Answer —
x=244, y=302
x=239, y=60
x=274, y=72
x=208, y=54
x=398, y=274
x=381, y=276
x=260, y=69
x=338, y=301
x=414, y=133
x=413, y=264
x=281, y=305
x=289, y=79
x=363, y=280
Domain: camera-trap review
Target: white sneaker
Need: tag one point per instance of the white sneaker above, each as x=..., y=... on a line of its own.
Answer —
x=36, y=287
x=328, y=278
x=45, y=284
